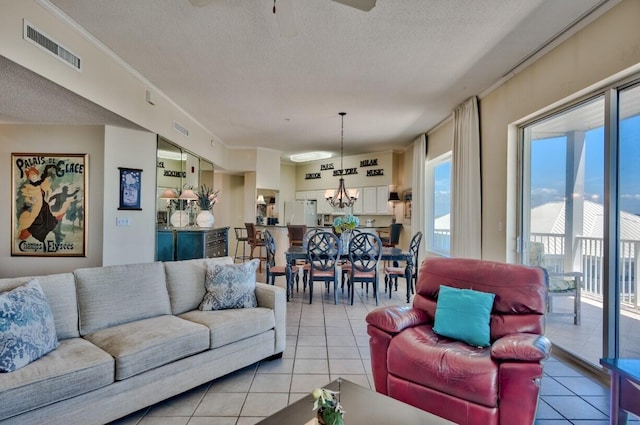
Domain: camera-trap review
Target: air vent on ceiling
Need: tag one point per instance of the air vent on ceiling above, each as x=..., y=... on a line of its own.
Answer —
x=38, y=38
x=180, y=128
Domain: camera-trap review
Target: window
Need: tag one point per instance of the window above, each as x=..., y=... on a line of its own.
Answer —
x=567, y=193
x=439, y=204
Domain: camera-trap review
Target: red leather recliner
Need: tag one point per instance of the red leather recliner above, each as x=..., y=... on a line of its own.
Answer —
x=468, y=385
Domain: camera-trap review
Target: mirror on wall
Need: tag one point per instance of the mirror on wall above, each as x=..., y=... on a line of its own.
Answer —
x=178, y=170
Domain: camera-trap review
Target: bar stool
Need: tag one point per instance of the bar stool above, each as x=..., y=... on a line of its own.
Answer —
x=241, y=236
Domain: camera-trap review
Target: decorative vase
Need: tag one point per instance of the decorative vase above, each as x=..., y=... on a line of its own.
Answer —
x=180, y=219
x=345, y=237
x=205, y=219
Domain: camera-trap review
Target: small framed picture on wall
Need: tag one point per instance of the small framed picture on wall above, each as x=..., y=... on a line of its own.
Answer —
x=406, y=196
x=130, y=185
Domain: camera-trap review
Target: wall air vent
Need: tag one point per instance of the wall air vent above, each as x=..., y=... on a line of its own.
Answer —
x=40, y=39
x=180, y=128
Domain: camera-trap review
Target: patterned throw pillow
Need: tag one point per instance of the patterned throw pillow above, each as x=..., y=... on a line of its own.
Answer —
x=230, y=286
x=27, y=331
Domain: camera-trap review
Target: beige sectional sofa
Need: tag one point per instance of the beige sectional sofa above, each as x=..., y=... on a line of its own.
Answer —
x=131, y=336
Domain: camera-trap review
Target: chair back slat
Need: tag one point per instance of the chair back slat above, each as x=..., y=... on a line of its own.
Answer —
x=308, y=234
x=270, y=244
x=323, y=251
x=365, y=250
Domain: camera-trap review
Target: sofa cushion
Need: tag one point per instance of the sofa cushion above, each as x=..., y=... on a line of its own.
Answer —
x=464, y=314
x=60, y=291
x=149, y=343
x=230, y=286
x=185, y=282
x=113, y=295
x=419, y=355
x=227, y=326
x=27, y=331
x=75, y=367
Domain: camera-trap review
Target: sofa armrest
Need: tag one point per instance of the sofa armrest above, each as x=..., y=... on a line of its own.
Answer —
x=521, y=346
x=396, y=318
x=275, y=298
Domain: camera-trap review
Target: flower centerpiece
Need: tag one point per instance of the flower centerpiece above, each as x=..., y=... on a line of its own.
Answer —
x=346, y=223
x=207, y=198
x=327, y=405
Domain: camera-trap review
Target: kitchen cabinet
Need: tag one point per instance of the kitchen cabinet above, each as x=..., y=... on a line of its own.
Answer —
x=369, y=200
x=382, y=200
x=323, y=205
x=373, y=201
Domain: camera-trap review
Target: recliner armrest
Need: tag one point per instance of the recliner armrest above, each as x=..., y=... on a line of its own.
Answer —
x=521, y=346
x=396, y=318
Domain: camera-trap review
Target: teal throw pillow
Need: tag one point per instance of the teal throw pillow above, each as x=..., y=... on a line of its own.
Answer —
x=27, y=330
x=465, y=315
x=230, y=286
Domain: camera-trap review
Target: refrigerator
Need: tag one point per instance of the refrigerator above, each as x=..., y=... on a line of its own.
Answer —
x=301, y=212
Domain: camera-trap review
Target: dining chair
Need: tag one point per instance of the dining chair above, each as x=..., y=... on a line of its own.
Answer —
x=273, y=270
x=255, y=240
x=345, y=264
x=365, y=250
x=561, y=284
x=390, y=238
x=323, y=254
x=241, y=238
x=305, y=267
x=392, y=273
x=296, y=233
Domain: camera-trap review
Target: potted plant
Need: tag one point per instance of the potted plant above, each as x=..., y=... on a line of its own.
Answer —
x=328, y=408
x=207, y=198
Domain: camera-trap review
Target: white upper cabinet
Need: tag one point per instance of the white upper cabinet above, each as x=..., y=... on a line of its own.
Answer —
x=382, y=200
x=369, y=200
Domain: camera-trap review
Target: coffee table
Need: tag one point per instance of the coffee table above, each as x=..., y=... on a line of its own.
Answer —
x=361, y=405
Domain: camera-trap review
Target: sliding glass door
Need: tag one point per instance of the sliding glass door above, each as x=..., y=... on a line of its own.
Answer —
x=562, y=221
x=629, y=221
x=580, y=220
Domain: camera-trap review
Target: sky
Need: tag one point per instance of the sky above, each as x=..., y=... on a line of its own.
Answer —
x=548, y=158
x=548, y=162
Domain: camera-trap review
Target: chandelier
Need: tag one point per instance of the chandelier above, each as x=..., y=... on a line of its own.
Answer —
x=341, y=198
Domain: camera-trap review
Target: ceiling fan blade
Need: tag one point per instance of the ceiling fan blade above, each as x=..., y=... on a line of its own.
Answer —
x=200, y=3
x=365, y=5
x=286, y=20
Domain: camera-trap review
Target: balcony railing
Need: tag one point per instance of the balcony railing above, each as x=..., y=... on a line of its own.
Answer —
x=590, y=262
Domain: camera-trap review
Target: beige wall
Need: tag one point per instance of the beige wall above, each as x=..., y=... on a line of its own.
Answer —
x=268, y=169
x=54, y=139
x=440, y=140
x=328, y=181
x=606, y=49
x=608, y=46
x=134, y=243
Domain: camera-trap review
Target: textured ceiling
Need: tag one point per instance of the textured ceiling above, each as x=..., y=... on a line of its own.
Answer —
x=397, y=70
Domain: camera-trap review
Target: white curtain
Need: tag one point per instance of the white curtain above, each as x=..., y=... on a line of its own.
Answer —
x=418, y=201
x=466, y=202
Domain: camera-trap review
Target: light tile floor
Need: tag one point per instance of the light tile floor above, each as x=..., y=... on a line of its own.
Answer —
x=325, y=341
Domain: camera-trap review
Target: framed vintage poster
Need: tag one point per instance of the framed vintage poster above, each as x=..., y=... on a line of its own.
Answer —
x=407, y=197
x=130, y=180
x=49, y=204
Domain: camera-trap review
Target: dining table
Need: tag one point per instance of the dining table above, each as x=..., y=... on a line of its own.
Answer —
x=295, y=253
